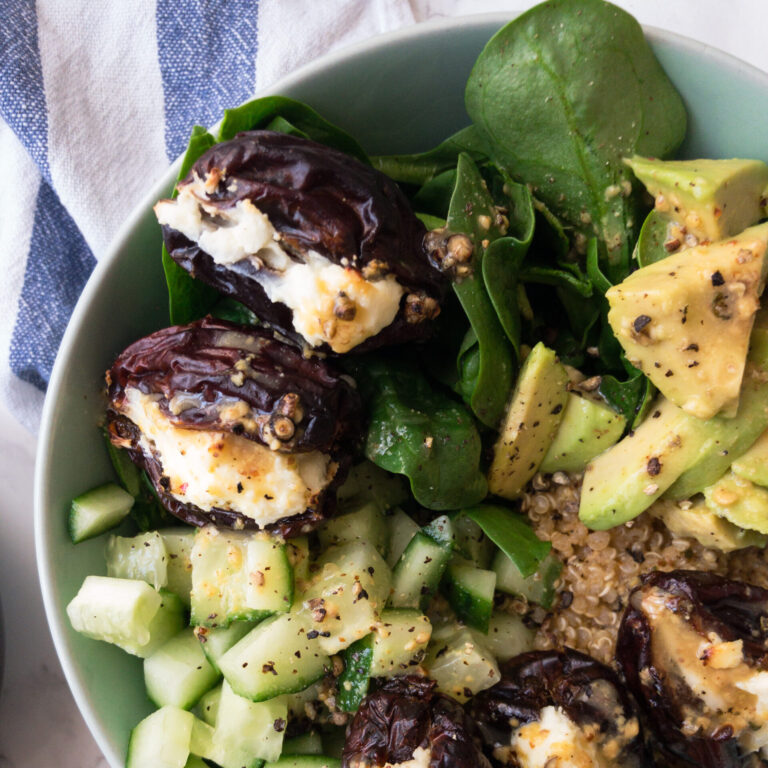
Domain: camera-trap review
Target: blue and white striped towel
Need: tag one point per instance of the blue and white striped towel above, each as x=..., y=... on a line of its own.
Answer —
x=96, y=99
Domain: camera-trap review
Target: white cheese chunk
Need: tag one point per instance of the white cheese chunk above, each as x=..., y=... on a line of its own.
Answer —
x=420, y=759
x=555, y=741
x=309, y=288
x=226, y=471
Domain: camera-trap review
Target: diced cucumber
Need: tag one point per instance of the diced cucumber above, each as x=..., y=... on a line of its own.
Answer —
x=297, y=702
x=127, y=613
x=281, y=655
x=178, y=673
x=238, y=575
x=344, y=598
x=307, y=744
x=402, y=528
x=399, y=642
x=201, y=740
x=304, y=761
x=366, y=482
x=246, y=731
x=507, y=636
x=178, y=544
x=364, y=522
x=208, y=706
x=469, y=591
x=127, y=472
x=195, y=762
x=354, y=680
x=297, y=550
x=538, y=588
x=141, y=557
x=461, y=666
x=472, y=542
x=161, y=740
x=418, y=572
x=97, y=511
x=216, y=641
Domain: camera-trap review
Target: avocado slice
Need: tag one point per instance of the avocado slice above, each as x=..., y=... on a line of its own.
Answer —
x=730, y=438
x=711, y=199
x=625, y=480
x=588, y=428
x=530, y=424
x=694, y=520
x=740, y=501
x=753, y=465
x=685, y=321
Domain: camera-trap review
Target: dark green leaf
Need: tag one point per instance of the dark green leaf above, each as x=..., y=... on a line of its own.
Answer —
x=631, y=397
x=281, y=125
x=650, y=244
x=512, y=534
x=558, y=277
x=232, y=310
x=435, y=196
x=417, y=431
x=147, y=512
x=599, y=280
x=188, y=299
x=471, y=205
x=421, y=168
x=429, y=221
x=262, y=113
x=562, y=94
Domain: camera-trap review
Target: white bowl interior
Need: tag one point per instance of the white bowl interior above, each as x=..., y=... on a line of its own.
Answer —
x=399, y=92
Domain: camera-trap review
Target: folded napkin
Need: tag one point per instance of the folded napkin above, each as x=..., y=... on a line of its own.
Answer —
x=96, y=99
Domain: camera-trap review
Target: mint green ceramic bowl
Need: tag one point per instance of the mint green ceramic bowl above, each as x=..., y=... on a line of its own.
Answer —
x=398, y=92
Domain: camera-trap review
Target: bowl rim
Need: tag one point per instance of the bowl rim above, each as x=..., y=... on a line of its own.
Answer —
x=55, y=614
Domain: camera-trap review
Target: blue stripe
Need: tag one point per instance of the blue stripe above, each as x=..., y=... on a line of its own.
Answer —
x=207, y=55
x=22, y=97
x=58, y=265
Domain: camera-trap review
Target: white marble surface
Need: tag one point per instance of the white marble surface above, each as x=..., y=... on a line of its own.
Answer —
x=39, y=723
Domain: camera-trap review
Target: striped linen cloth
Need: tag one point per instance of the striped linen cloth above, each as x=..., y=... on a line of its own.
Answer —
x=96, y=99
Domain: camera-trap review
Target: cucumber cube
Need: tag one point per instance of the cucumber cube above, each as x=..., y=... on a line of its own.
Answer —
x=399, y=642
x=281, y=655
x=178, y=544
x=216, y=641
x=161, y=740
x=208, y=706
x=178, y=672
x=127, y=613
x=138, y=557
x=365, y=522
x=97, y=511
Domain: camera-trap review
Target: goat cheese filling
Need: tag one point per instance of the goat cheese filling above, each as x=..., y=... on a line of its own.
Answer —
x=420, y=759
x=225, y=471
x=331, y=304
x=555, y=741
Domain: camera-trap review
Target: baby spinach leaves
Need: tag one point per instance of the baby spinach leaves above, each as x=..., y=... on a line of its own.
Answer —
x=561, y=95
x=420, y=432
x=188, y=299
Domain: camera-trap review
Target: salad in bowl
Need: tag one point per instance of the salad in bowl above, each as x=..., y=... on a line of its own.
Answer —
x=452, y=458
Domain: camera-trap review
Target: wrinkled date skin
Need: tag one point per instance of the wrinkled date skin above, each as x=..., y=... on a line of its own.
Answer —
x=319, y=199
x=406, y=713
x=590, y=694
x=282, y=400
x=708, y=603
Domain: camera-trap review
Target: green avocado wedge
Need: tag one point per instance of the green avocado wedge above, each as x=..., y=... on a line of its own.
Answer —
x=588, y=428
x=530, y=424
x=753, y=465
x=711, y=199
x=739, y=501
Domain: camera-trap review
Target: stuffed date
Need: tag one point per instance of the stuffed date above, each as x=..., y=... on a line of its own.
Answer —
x=319, y=245
x=406, y=724
x=234, y=427
x=694, y=650
x=558, y=709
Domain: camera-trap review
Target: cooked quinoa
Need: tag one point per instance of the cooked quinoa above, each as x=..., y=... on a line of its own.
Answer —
x=600, y=568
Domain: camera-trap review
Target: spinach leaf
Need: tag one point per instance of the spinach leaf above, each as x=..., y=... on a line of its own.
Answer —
x=422, y=433
x=650, y=244
x=632, y=397
x=188, y=299
x=560, y=278
x=421, y=168
x=429, y=221
x=563, y=93
x=472, y=212
x=435, y=196
x=512, y=534
x=228, y=308
x=302, y=119
x=281, y=125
